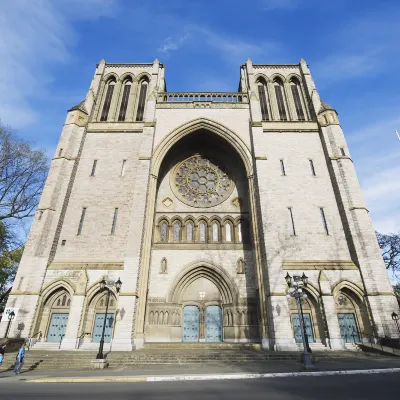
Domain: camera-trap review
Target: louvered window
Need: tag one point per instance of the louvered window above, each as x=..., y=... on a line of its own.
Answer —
x=281, y=102
x=142, y=102
x=297, y=101
x=124, y=102
x=263, y=102
x=107, y=101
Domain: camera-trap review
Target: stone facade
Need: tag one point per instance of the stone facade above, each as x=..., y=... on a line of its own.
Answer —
x=201, y=203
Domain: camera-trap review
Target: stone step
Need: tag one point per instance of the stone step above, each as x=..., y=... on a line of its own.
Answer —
x=204, y=345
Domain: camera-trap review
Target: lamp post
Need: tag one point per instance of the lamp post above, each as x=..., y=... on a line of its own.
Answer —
x=395, y=318
x=296, y=285
x=106, y=286
x=11, y=316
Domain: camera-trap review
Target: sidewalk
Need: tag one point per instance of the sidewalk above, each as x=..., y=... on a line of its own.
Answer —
x=204, y=371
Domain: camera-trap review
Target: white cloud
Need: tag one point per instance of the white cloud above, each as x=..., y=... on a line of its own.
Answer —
x=34, y=36
x=231, y=48
x=361, y=47
x=173, y=43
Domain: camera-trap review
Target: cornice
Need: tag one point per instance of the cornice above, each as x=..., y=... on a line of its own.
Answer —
x=89, y=265
x=202, y=104
x=318, y=265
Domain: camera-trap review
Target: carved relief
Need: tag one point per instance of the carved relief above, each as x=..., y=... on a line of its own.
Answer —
x=164, y=266
x=240, y=266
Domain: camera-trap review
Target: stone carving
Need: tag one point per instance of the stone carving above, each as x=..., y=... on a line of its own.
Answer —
x=240, y=266
x=82, y=283
x=200, y=183
x=164, y=266
x=164, y=317
x=167, y=202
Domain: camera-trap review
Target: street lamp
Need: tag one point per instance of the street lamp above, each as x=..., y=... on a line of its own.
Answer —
x=107, y=286
x=296, y=285
x=11, y=316
x=395, y=318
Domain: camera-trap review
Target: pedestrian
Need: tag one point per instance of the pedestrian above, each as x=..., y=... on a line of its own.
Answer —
x=19, y=361
x=2, y=351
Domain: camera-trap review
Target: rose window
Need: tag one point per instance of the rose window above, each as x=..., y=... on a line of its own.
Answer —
x=199, y=182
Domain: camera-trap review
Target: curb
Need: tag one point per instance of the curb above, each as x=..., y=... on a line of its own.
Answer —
x=175, y=378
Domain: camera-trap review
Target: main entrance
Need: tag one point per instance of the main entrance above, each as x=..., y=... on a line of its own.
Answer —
x=195, y=328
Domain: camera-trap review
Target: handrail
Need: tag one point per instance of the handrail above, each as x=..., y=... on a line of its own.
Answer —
x=79, y=338
x=394, y=343
x=62, y=337
x=30, y=339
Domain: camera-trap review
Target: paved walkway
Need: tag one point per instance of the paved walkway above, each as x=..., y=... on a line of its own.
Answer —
x=209, y=371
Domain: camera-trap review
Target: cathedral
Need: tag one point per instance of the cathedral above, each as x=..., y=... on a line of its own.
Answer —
x=175, y=217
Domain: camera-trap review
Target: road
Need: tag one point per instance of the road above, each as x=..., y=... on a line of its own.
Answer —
x=354, y=387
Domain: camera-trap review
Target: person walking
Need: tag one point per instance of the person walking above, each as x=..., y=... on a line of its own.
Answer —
x=19, y=361
x=2, y=351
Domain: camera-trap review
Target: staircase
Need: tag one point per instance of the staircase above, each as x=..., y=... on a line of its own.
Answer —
x=169, y=354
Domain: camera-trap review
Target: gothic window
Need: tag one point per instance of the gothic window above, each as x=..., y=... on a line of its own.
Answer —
x=228, y=232
x=324, y=220
x=177, y=231
x=58, y=302
x=280, y=99
x=189, y=232
x=114, y=223
x=200, y=183
x=142, y=101
x=68, y=302
x=296, y=90
x=240, y=236
x=64, y=300
x=102, y=303
x=125, y=99
x=202, y=228
x=292, y=230
x=107, y=102
x=215, y=232
x=263, y=101
x=93, y=168
x=164, y=232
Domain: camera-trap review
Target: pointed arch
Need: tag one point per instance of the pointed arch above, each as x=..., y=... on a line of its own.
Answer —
x=204, y=269
x=201, y=123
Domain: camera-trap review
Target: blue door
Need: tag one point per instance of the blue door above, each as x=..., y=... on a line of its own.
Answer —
x=98, y=327
x=213, y=324
x=348, y=328
x=58, y=325
x=297, y=328
x=190, y=324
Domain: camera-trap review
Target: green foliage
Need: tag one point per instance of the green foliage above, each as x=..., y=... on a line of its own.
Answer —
x=390, y=248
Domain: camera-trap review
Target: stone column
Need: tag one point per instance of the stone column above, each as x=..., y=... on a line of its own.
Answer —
x=335, y=337
x=74, y=319
x=122, y=338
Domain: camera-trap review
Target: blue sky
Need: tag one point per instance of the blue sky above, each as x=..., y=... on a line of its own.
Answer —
x=49, y=49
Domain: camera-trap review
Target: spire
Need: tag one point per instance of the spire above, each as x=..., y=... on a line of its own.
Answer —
x=325, y=107
x=80, y=107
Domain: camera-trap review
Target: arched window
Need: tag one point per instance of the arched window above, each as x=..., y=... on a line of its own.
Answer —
x=202, y=228
x=189, y=232
x=177, y=231
x=215, y=232
x=107, y=101
x=228, y=232
x=280, y=99
x=262, y=89
x=64, y=300
x=125, y=99
x=240, y=236
x=142, y=101
x=296, y=90
x=164, y=232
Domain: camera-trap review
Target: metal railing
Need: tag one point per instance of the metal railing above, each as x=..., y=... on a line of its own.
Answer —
x=79, y=340
x=30, y=340
x=385, y=344
x=216, y=97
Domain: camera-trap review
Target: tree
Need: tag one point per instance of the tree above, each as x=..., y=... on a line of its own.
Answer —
x=23, y=170
x=390, y=248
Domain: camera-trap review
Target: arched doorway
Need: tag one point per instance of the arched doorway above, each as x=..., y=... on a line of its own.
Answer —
x=352, y=315
x=312, y=319
x=96, y=316
x=54, y=315
x=201, y=217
